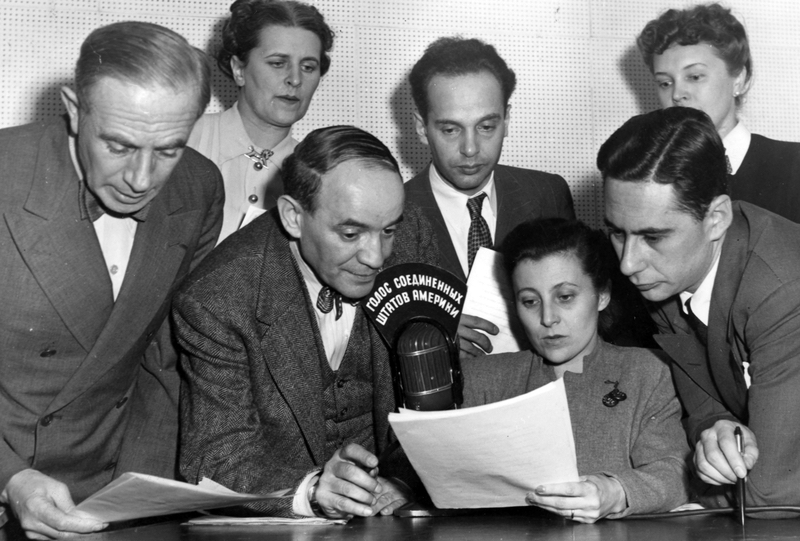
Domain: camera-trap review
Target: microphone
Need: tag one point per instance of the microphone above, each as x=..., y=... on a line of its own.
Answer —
x=427, y=371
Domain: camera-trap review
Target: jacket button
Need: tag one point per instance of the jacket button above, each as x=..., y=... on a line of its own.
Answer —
x=340, y=383
x=122, y=402
x=343, y=412
x=46, y=420
x=49, y=352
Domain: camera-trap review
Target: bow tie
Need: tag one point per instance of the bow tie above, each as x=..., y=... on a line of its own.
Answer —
x=327, y=299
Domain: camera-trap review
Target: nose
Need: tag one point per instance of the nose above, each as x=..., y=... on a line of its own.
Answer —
x=374, y=251
x=549, y=314
x=630, y=260
x=469, y=143
x=293, y=76
x=678, y=93
x=139, y=175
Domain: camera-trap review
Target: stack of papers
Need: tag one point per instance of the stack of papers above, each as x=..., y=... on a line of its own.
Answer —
x=136, y=495
x=492, y=455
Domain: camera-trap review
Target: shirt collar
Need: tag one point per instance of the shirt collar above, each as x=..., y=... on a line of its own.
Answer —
x=90, y=206
x=701, y=299
x=235, y=142
x=450, y=197
x=736, y=143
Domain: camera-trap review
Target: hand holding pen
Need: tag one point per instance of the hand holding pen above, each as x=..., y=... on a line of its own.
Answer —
x=717, y=457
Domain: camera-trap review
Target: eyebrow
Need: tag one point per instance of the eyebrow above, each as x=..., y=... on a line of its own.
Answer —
x=492, y=116
x=286, y=56
x=111, y=138
x=640, y=232
x=355, y=223
x=703, y=64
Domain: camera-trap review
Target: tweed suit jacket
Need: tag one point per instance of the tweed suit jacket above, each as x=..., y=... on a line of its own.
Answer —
x=769, y=177
x=640, y=441
x=522, y=195
x=252, y=407
x=754, y=317
x=118, y=410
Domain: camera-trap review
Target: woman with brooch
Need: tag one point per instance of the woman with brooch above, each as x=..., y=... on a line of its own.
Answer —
x=700, y=58
x=631, y=448
x=275, y=51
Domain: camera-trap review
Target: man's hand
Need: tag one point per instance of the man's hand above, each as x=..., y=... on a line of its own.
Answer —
x=349, y=483
x=592, y=498
x=472, y=342
x=716, y=455
x=393, y=495
x=44, y=507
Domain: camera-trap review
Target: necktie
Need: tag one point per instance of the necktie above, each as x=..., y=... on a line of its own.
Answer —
x=479, y=234
x=728, y=165
x=327, y=299
x=700, y=328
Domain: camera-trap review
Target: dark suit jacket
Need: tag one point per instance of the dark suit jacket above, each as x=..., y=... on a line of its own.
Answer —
x=770, y=177
x=118, y=410
x=252, y=413
x=522, y=195
x=754, y=317
x=639, y=441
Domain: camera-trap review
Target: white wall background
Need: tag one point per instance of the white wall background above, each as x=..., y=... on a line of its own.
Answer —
x=579, y=75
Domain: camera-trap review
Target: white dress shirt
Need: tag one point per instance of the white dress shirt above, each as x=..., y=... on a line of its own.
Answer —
x=737, y=143
x=453, y=206
x=115, y=236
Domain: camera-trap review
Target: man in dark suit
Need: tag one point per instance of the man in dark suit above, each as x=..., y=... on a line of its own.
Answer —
x=287, y=383
x=724, y=282
x=104, y=212
x=461, y=89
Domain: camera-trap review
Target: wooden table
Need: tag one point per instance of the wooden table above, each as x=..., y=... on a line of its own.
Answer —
x=507, y=524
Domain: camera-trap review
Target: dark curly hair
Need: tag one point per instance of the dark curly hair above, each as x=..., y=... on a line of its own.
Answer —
x=241, y=32
x=536, y=239
x=458, y=56
x=712, y=24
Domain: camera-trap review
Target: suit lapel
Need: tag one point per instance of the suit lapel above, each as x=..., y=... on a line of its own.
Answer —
x=49, y=221
x=427, y=202
x=725, y=369
x=512, y=204
x=159, y=249
x=685, y=349
x=291, y=352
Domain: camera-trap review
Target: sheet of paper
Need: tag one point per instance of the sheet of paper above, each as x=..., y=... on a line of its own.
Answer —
x=492, y=455
x=136, y=495
x=490, y=296
x=216, y=520
x=251, y=214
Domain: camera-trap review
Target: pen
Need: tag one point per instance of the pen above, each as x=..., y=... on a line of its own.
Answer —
x=740, y=482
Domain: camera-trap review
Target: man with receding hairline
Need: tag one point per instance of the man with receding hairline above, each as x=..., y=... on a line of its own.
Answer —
x=461, y=89
x=105, y=212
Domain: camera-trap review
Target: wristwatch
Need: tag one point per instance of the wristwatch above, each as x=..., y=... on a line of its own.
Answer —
x=312, y=498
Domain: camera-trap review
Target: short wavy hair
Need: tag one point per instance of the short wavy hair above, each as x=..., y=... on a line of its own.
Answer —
x=677, y=146
x=707, y=23
x=453, y=56
x=242, y=31
x=322, y=150
x=143, y=54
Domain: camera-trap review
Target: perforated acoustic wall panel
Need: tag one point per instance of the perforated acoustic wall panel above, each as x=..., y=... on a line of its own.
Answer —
x=579, y=74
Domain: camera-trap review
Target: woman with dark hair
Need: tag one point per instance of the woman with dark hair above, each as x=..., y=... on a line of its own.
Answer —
x=700, y=58
x=630, y=445
x=275, y=51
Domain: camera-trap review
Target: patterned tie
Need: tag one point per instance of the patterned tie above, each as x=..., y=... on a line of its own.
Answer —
x=699, y=328
x=728, y=164
x=479, y=234
x=327, y=299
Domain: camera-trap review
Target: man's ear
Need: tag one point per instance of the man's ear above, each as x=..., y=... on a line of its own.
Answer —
x=72, y=105
x=292, y=214
x=237, y=68
x=506, y=119
x=718, y=217
x=419, y=124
